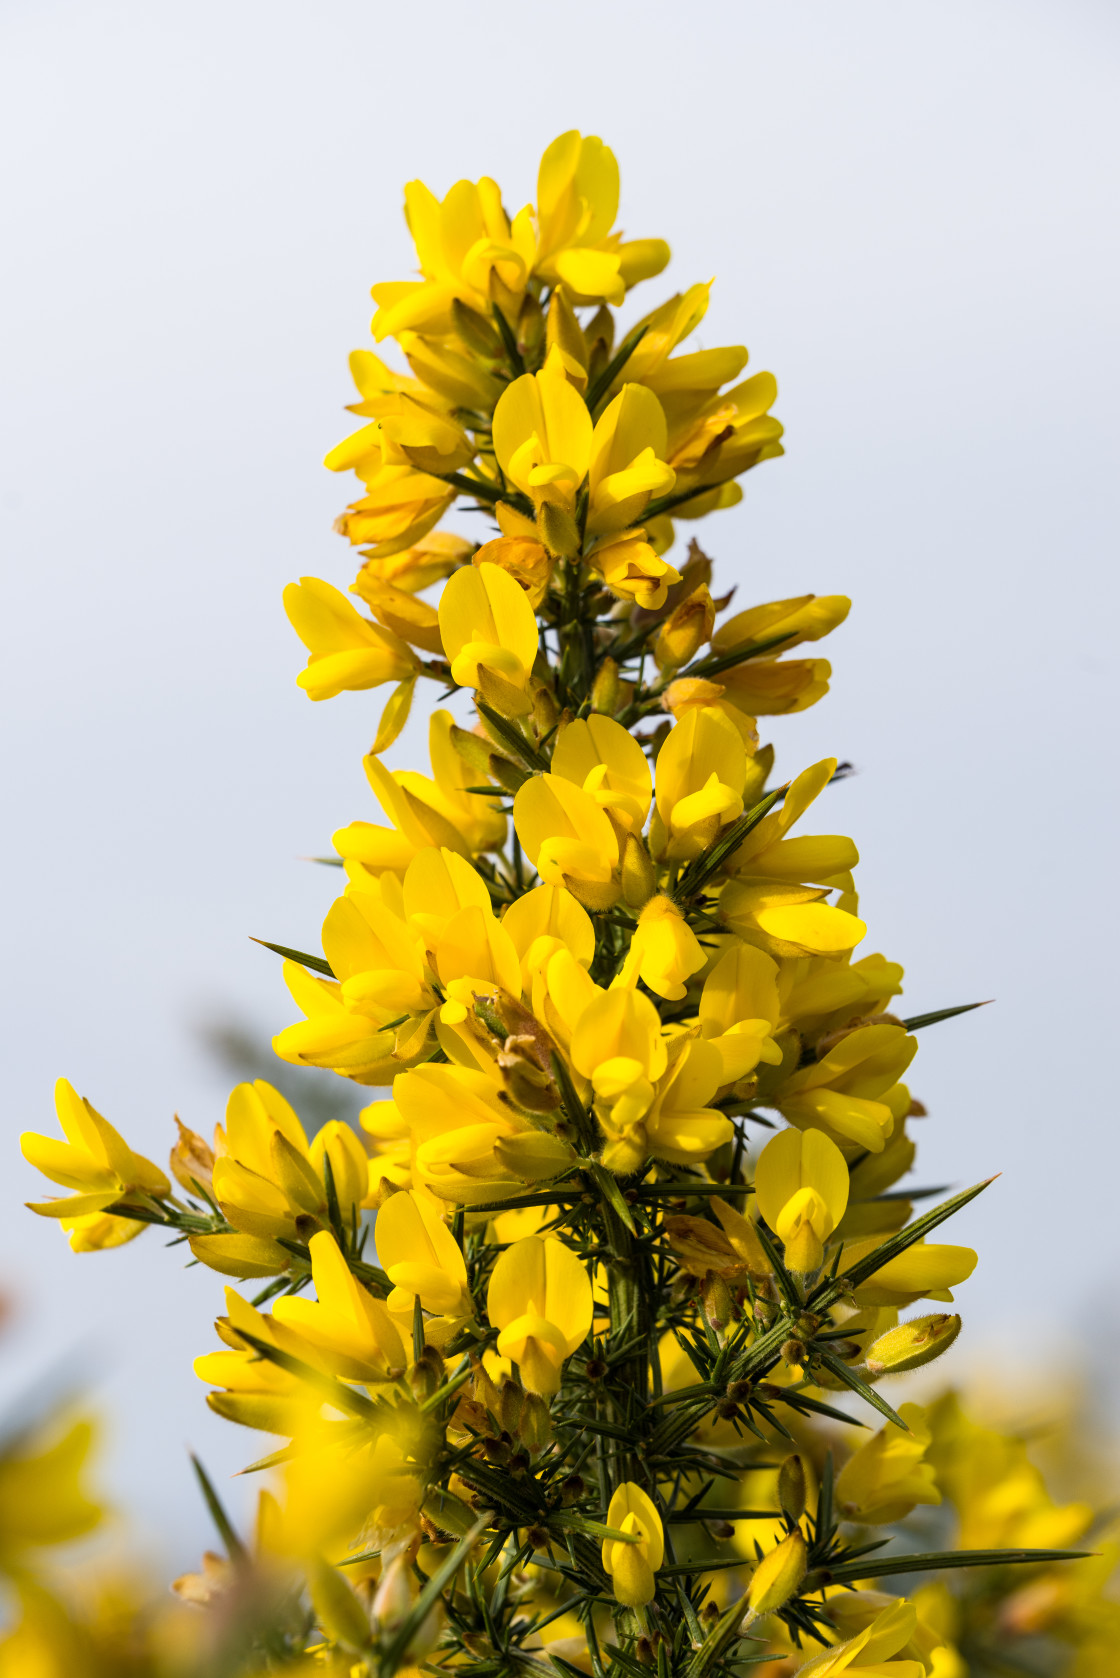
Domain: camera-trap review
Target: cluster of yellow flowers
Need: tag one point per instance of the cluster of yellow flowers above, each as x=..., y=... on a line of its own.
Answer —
x=623, y=1224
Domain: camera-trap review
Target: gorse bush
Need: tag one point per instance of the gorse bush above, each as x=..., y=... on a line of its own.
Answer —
x=577, y=1351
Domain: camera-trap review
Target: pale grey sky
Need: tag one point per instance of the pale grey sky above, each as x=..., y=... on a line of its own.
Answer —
x=911, y=212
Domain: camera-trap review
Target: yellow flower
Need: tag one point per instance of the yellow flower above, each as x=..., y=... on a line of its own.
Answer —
x=421, y=1258
x=774, y=895
x=924, y=1271
x=43, y=1500
x=96, y=1162
x=626, y=467
x=801, y=1184
x=255, y=1391
x=853, y=1091
x=333, y=1035
x=577, y=201
x=633, y=569
x=424, y=811
x=617, y=1045
x=412, y=569
x=867, y=1654
x=545, y=920
x=542, y=434
x=664, y=951
x=569, y=838
x=347, y=651
x=460, y=241
x=998, y=1492
x=681, y=1126
x=540, y=1299
x=772, y=684
x=632, y=1566
x=739, y=1010
x=469, y=1143
x=399, y=611
x=701, y=773
x=267, y=1180
x=603, y=758
x=353, y=1333
x=490, y=635
x=528, y=562
x=685, y=630
x=888, y=1476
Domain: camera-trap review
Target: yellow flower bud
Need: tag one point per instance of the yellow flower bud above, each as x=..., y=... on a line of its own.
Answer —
x=606, y=689
x=912, y=1344
x=778, y=1575
x=685, y=630
x=791, y=1488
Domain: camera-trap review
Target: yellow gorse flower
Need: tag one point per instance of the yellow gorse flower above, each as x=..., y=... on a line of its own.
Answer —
x=539, y=1299
x=801, y=1184
x=96, y=1162
x=626, y=1204
x=632, y=1566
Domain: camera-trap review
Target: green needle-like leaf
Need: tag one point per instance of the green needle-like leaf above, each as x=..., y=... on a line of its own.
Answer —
x=613, y=368
x=235, y=1549
x=883, y=1566
x=850, y=1379
x=828, y=1291
x=315, y=963
x=512, y=737
x=917, y=1021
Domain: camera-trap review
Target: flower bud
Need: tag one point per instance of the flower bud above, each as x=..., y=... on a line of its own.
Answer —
x=546, y=712
x=719, y=1308
x=426, y=1375
x=791, y=1489
x=559, y=531
x=911, y=1344
x=533, y=1155
x=639, y=872
x=475, y=330
x=536, y=1422
x=337, y=1608
x=530, y=328
x=474, y=749
x=685, y=630
x=778, y=1575
x=606, y=689
x=508, y=776
x=509, y=1409
x=192, y=1161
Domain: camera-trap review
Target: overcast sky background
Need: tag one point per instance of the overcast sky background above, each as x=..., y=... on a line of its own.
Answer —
x=911, y=211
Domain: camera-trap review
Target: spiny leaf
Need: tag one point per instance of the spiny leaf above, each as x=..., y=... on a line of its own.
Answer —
x=827, y=1292
x=886, y=1565
x=698, y=873
x=917, y=1021
x=315, y=963
x=607, y=1185
x=568, y=1521
x=738, y=655
x=613, y=368
x=342, y=1396
x=511, y=736
x=474, y=486
x=235, y=1549
x=850, y=1379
